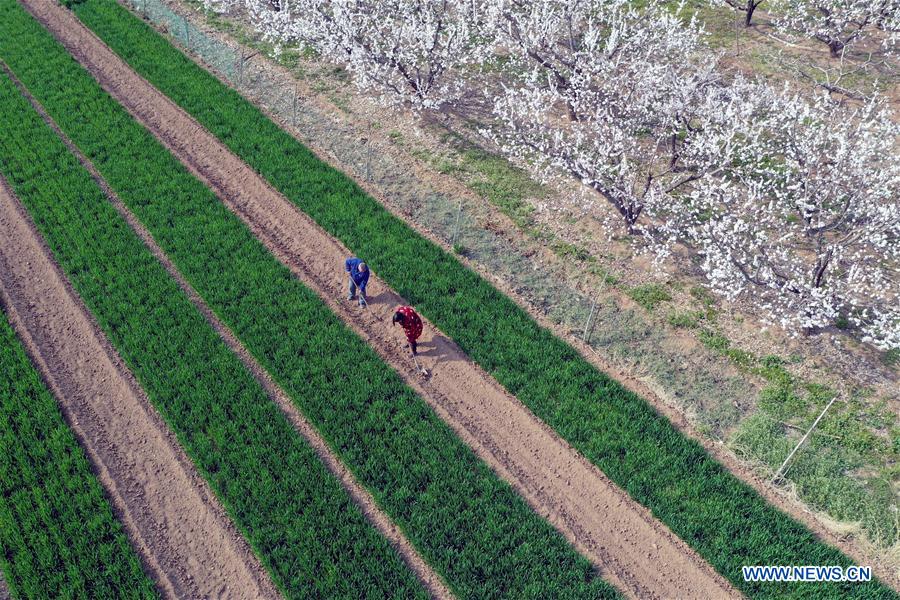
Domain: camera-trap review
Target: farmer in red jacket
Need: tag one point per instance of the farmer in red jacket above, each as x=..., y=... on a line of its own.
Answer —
x=411, y=324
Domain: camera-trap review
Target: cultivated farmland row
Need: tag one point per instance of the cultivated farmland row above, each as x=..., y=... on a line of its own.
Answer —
x=472, y=527
x=183, y=536
x=57, y=530
x=631, y=547
x=722, y=518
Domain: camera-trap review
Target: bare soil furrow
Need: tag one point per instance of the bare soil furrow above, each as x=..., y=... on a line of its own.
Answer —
x=632, y=549
x=183, y=535
x=4, y=589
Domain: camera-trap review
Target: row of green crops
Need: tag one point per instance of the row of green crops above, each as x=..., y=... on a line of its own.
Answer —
x=302, y=524
x=467, y=523
x=58, y=535
x=722, y=518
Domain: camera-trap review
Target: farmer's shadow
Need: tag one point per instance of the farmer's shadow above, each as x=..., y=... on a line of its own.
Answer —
x=438, y=349
x=381, y=298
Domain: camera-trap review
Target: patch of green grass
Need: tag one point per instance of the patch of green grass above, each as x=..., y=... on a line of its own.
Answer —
x=819, y=471
x=703, y=295
x=782, y=401
x=422, y=154
x=649, y=295
x=617, y=430
x=58, y=534
x=717, y=342
x=496, y=180
x=340, y=102
x=844, y=441
x=892, y=357
x=569, y=251
x=446, y=167
x=688, y=319
x=771, y=368
x=606, y=277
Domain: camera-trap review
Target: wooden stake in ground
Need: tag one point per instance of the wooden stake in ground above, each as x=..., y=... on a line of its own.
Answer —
x=781, y=470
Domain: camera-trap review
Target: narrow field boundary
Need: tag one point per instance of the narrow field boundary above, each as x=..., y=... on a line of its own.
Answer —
x=168, y=510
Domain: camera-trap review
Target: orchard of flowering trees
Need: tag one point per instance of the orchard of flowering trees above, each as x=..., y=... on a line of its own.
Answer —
x=789, y=197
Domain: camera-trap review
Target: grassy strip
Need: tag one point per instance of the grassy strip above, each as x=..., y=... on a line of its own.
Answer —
x=302, y=524
x=469, y=524
x=58, y=535
x=722, y=518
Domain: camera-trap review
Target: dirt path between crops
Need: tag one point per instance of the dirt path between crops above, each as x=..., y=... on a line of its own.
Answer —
x=184, y=537
x=632, y=550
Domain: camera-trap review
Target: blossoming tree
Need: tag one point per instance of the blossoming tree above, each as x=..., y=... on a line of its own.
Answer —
x=607, y=93
x=840, y=23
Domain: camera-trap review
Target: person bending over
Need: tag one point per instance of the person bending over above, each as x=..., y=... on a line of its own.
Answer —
x=411, y=323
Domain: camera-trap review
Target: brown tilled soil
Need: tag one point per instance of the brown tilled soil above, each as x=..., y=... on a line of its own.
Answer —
x=633, y=550
x=184, y=537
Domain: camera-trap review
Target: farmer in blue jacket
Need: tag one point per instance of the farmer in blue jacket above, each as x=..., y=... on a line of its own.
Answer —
x=359, y=277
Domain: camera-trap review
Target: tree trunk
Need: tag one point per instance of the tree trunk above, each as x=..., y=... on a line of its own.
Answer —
x=630, y=213
x=573, y=116
x=836, y=47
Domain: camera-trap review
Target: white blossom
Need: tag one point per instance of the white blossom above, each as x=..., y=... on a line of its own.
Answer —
x=806, y=220
x=403, y=50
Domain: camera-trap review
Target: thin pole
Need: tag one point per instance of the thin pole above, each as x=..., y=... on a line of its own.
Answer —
x=456, y=227
x=781, y=469
x=587, y=323
x=369, y=156
x=294, y=119
x=187, y=33
x=244, y=59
